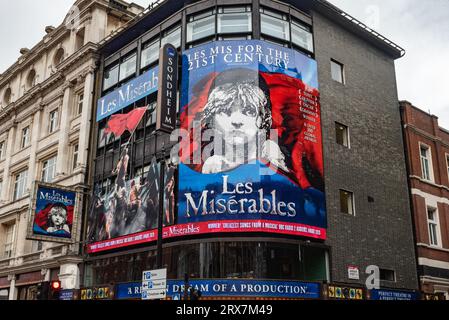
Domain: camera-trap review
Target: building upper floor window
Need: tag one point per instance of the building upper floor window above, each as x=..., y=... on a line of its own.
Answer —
x=302, y=36
x=342, y=134
x=49, y=169
x=2, y=149
x=8, y=247
x=36, y=246
x=150, y=53
x=75, y=156
x=128, y=66
x=347, y=202
x=229, y=20
x=111, y=76
x=387, y=275
x=275, y=24
x=337, y=71
x=172, y=36
x=25, y=142
x=234, y=20
x=201, y=26
x=20, y=184
x=58, y=57
x=53, y=120
x=426, y=162
x=447, y=164
x=432, y=219
x=31, y=79
x=79, y=104
x=7, y=97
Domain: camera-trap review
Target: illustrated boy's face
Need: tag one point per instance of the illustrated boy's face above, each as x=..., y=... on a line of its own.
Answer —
x=236, y=112
x=58, y=216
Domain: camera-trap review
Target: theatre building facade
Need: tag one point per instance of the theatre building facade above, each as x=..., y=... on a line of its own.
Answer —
x=45, y=114
x=273, y=184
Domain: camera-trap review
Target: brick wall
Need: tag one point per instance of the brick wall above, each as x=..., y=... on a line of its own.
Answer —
x=381, y=231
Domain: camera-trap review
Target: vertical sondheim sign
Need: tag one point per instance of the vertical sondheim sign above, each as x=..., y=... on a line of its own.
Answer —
x=168, y=83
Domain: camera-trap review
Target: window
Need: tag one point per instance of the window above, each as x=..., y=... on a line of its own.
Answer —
x=20, y=184
x=53, y=121
x=387, y=275
x=2, y=150
x=347, y=202
x=7, y=97
x=59, y=57
x=128, y=66
x=9, y=240
x=432, y=218
x=31, y=79
x=25, y=137
x=201, y=26
x=173, y=37
x=302, y=36
x=425, y=162
x=110, y=76
x=337, y=71
x=447, y=164
x=150, y=53
x=75, y=156
x=79, y=41
x=49, y=170
x=275, y=25
x=234, y=20
x=36, y=246
x=342, y=134
x=79, y=105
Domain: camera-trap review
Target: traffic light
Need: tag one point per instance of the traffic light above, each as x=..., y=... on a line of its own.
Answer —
x=42, y=290
x=55, y=289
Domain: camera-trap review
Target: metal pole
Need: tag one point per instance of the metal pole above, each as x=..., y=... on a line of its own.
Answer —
x=161, y=211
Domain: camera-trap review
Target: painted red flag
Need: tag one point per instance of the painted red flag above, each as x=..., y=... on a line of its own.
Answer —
x=119, y=123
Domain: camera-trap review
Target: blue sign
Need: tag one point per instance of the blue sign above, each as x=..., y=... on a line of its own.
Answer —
x=67, y=295
x=127, y=94
x=394, y=295
x=230, y=288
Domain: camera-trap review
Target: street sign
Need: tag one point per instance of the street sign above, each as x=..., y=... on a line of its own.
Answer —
x=154, y=284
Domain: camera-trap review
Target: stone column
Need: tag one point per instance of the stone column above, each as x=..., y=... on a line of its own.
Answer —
x=12, y=288
x=86, y=119
x=69, y=276
x=64, y=128
x=35, y=136
x=6, y=194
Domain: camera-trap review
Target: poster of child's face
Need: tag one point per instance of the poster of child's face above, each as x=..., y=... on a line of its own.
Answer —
x=251, y=148
x=53, y=216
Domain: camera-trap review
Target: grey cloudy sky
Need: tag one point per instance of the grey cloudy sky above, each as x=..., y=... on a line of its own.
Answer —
x=420, y=27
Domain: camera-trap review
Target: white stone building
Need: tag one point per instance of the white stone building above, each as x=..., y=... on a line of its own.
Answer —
x=46, y=100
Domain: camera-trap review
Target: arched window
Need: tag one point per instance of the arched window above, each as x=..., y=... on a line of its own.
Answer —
x=58, y=57
x=7, y=97
x=31, y=79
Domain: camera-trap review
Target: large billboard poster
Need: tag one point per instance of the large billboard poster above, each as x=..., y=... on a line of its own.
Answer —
x=54, y=214
x=252, y=160
x=126, y=212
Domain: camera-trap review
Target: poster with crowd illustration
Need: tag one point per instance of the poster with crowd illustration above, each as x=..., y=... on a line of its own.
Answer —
x=253, y=161
x=126, y=210
x=54, y=214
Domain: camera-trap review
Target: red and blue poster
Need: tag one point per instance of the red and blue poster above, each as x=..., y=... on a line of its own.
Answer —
x=54, y=215
x=251, y=146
